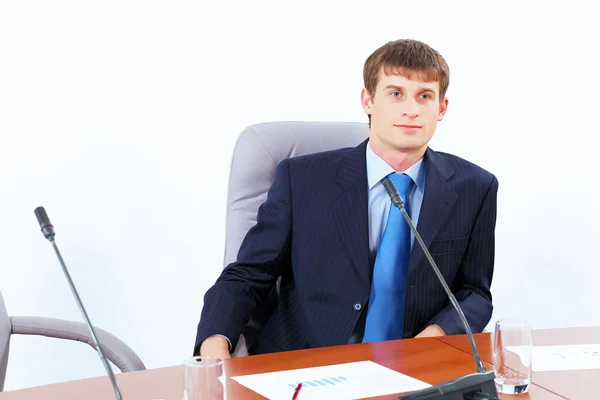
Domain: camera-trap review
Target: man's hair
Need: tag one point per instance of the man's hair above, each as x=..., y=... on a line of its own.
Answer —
x=409, y=58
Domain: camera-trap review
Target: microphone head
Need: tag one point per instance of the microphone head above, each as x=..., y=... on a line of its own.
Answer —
x=44, y=221
x=391, y=190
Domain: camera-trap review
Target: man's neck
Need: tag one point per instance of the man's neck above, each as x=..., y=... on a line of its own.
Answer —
x=399, y=160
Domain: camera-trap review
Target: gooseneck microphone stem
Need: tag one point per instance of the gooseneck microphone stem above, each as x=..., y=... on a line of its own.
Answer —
x=87, y=322
x=397, y=201
x=48, y=231
x=478, y=361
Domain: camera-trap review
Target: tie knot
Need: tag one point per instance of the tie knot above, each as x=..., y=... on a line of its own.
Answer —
x=402, y=182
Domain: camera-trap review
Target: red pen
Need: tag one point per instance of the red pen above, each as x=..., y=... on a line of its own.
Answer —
x=297, y=391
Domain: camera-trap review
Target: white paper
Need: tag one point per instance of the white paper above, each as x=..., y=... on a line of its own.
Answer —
x=341, y=381
x=561, y=358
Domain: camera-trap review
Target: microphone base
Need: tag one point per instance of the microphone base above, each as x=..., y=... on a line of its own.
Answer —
x=478, y=385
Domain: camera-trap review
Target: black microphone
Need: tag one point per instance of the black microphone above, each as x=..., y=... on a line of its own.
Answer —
x=479, y=383
x=48, y=231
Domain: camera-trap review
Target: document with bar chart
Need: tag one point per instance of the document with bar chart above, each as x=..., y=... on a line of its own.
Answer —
x=341, y=381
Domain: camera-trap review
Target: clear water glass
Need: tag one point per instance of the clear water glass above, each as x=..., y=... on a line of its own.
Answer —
x=204, y=379
x=512, y=347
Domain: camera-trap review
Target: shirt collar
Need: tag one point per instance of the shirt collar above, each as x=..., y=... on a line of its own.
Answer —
x=377, y=169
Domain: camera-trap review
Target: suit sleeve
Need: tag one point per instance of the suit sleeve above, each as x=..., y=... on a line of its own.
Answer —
x=263, y=256
x=472, y=284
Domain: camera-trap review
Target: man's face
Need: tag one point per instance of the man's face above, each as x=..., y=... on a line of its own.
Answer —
x=404, y=113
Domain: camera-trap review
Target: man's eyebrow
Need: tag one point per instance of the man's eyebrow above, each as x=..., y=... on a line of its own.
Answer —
x=395, y=87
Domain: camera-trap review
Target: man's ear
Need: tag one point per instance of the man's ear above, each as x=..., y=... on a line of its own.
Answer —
x=443, y=109
x=366, y=101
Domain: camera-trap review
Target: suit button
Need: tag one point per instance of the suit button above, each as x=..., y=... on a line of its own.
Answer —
x=357, y=307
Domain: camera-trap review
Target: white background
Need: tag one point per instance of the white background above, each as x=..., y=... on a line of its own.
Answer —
x=120, y=118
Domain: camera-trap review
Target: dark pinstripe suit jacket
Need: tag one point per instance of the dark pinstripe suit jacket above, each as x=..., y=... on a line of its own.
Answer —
x=313, y=232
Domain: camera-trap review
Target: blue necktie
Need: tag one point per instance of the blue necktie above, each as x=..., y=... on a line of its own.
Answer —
x=386, y=305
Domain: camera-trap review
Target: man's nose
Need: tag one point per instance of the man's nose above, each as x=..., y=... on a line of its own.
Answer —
x=410, y=109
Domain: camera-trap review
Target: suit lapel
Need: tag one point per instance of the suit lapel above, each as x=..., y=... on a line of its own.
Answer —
x=351, y=208
x=439, y=198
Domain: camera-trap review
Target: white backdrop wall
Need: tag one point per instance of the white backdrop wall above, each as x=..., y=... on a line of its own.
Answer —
x=120, y=118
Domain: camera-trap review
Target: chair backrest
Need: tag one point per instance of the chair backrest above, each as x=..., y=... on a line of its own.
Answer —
x=5, y=329
x=258, y=151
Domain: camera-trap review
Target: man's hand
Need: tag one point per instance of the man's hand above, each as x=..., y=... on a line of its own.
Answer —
x=431, y=331
x=216, y=346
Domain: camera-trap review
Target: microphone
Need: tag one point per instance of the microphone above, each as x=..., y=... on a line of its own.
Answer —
x=48, y=231
x=476, y=384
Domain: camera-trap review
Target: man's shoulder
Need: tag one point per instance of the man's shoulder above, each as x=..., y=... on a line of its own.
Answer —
x=327, y=155
x=466, y=169
x=323, y=160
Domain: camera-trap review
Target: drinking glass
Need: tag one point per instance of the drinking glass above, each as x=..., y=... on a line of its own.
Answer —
x=512, y=347
x=204, y=379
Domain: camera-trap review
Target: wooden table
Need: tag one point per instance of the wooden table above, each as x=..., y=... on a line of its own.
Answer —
x=584, y=384
x=430, y=360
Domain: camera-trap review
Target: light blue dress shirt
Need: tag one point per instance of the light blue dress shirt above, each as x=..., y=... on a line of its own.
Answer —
x=379, y=200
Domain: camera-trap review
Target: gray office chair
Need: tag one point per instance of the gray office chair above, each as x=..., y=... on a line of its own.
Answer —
x=114, y=349
x=258, y=151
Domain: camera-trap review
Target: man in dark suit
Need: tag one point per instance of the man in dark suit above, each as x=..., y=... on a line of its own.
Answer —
x=350, y=268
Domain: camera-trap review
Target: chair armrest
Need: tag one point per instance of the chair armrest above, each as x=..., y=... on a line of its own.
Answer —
x=113, y=348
